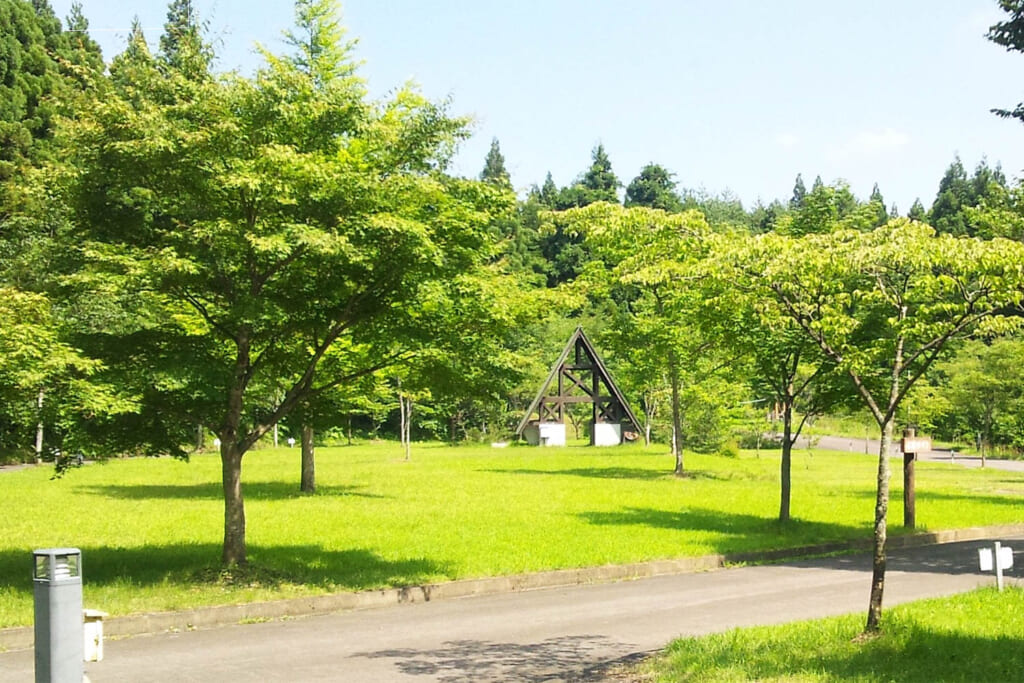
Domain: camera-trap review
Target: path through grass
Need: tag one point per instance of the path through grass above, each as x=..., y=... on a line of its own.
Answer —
x=150, y=529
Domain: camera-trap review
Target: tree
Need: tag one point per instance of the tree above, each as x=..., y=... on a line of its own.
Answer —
x=1010, y=34
x=788, y=368
x=799, y=193
x=877, y=205
x=883, y=306
x=30, y=40
x=654, y=188
x=958, y=194
x=494, y=167
x=652, y=255
x=917, y=212
x=258, y=224
x=826, y=208
x=565, y=254
x=182, y=46
x=983, y=389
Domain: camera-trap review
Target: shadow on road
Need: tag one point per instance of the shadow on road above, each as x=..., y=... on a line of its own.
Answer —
x=952, y=559
x=568, y=658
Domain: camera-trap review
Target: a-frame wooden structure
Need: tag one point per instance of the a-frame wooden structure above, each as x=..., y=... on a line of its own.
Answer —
x=580, y=376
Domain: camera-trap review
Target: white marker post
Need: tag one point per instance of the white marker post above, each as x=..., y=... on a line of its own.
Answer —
x=1003, y=559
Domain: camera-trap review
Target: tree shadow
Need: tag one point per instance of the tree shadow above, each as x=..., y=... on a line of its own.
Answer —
x=924, y=495
x=269, y=567
x=566, y=658
x=736, y=530
x=611, y=472
x=590, y=472
x=255, y=490
x=917, y=655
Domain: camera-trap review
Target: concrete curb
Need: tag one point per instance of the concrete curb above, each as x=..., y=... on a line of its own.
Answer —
x=21, y=638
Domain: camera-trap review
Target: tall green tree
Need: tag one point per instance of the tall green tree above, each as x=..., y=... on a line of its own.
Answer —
x=877, y=207
x=917, y=212
x=257, y=224
x=654, y=256
x=182, y=43
x=494, y=170
x=654, y=188
x=959, y=193
x=799, y=193
x=787, y=368
x=883, y=306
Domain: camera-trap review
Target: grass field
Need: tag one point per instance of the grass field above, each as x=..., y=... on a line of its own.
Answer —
x=977, y=636
x=150, y=529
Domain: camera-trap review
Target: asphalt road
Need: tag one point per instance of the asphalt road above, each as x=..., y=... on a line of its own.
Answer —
x=565, y=634
x=870, y=446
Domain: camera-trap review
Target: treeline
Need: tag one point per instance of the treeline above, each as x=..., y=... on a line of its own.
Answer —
x=136, y=320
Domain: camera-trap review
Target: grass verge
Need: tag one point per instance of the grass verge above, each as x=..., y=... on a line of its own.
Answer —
x=150, y=529
x=976, y=636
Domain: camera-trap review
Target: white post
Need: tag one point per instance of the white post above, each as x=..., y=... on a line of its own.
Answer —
x=39, y=430
x=999, y=568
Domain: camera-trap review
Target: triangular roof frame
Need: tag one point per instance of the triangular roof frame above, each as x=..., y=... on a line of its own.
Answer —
x=598, y=366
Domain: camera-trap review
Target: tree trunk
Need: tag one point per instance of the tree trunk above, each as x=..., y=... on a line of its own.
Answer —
x=677, y=420
x=649, y=408
x=308, y=484
x=231, y=453
x=39, y=429
x=881, y=511
x=787, y=458
x=234, y=506
x=200, y=437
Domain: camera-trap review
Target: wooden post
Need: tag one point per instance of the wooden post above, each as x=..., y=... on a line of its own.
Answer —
x=909, y=513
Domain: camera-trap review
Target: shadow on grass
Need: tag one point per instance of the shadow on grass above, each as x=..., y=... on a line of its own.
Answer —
x=924, y=495
x=255, y=490
x=636, y=473
x=914, y=654
x=741, y=532
x=198, y=564
x=591, y=472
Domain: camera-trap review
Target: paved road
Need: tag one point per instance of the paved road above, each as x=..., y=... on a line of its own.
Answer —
x=870, y=446
x=567, y=634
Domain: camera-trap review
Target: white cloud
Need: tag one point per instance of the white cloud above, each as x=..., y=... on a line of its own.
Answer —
x=869, y=144
x=787, y=140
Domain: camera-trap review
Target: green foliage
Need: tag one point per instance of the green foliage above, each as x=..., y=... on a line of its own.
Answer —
x=958, y=194
x=494, y=170
x=799, y=193
x=653, y=188
x=1010, y=34
x=182, y=46
x=829, y=207
x=979, y=391
x=32, y=49
x=259, y=228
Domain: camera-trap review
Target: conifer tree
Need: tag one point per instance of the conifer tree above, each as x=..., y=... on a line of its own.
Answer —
x=494, y=167
x=799, y=193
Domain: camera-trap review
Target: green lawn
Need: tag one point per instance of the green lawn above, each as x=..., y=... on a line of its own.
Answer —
x=977, y=636
x=150, y=529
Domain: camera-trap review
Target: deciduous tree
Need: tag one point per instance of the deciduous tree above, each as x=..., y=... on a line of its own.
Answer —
x=883, y=306
x=257, y=223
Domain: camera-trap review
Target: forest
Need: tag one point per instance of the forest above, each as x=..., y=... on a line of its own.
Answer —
x=189, y=255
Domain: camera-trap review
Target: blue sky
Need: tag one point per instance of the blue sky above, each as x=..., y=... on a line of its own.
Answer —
x=735, y=95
